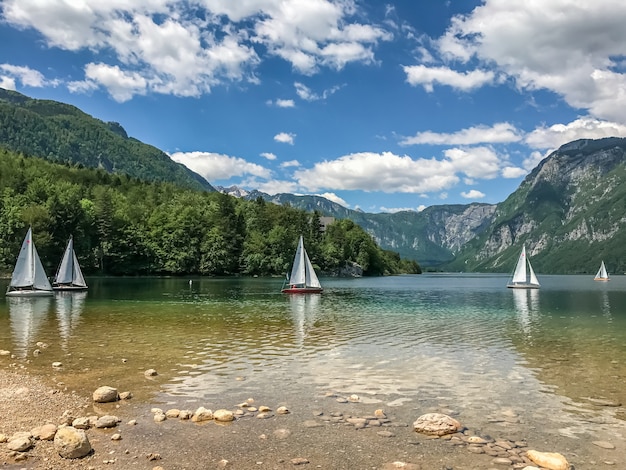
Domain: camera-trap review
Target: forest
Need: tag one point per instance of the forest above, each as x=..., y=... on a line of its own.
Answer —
x=122, y=225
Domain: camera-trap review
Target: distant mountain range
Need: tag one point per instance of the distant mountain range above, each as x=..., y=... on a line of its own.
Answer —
x=570, y=211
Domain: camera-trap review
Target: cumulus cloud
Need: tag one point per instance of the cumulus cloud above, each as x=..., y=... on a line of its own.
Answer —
x=502, y=132
x=215, y=167
x=10, y=74
x=384, y=172
x=334, y=198
x=268, y=155
x=285, y=138
x=285, y=103
x=564, y=46
x=556, y=135
x=428, y=77
x=186, y=48
x=473, y=194
x=514, y=172
x=290, y=164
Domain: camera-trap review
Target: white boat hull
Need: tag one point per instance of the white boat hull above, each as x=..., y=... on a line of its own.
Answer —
x=29, y=293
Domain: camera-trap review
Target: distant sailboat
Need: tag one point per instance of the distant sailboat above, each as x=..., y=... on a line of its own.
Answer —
x=602, y=274
x=69, y=276
x=303, y=279
x=29, y=277
x=523, y=276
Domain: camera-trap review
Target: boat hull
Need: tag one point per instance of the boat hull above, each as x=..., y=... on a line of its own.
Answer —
x=29, y=293
x=522, y=285
x=601, y=279
x=69, y=288
x=302, y=290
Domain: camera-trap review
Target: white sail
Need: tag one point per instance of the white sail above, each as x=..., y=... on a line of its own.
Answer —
x=602, y=274
x=28, y=275
x=302, y=273
x=520, y=269
x=69, y=271
x=524, y=275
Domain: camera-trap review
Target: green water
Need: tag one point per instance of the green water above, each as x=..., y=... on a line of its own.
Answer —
x=463, y=343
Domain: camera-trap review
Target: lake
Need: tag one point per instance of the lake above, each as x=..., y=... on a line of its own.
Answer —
x=546, y=365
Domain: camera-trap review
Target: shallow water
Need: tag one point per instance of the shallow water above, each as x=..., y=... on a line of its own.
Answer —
x=539, y=364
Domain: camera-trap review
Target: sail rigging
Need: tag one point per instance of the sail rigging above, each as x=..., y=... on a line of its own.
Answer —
x=69, y=274
x=303, y=277
x=524, y=276
x=29, y=276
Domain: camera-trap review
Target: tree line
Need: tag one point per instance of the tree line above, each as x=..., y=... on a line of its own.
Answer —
x=126, y=226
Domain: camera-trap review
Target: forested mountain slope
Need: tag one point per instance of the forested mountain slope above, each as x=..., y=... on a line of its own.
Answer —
x=62, y=133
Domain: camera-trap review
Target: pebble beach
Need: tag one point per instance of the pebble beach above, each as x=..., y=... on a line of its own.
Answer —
x=336, y=432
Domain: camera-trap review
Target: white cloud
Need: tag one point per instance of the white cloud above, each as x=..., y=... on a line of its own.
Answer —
x=392, y=173
x=473, y=194
x=502, y=132
x=583, y=128
x=306, y=94
x=334, y=198
x=272, y=187
x=122, y=85
x=285, y=103
x=290, y=163
x=379, y=172
x=186, y=49
x=513, y=172
x=215, y=167
x=533, y=160
x=285, y=138
x=268, y=155
x=569, y=47
x=464, y=81
x=393, y=210
x=8, y=83
x=9, y=74
x=476, y=162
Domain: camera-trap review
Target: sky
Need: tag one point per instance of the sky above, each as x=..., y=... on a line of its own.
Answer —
x=378, y=106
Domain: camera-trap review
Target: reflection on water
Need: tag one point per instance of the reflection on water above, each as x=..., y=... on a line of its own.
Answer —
x=28, y=315
x=527, y=307
x=69, y=306
x=414, y=343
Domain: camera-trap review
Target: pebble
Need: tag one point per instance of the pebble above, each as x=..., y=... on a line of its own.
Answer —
x=603, y=444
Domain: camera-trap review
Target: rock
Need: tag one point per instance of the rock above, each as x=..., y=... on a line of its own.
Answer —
x=45, y=432
x=549, y=460
x=173, y=413
x=105, y=394
x=380, y=414
x=185, y=414
x=150, y=373
x=354, y=398
x=71, y=443
x=404, y=465
x=126, y=395
x=159, y=417
x=299, y=461
x=202, y=414
x=264, y=409
x=603, y=444
x=57, y=364
x=223, y=416
x=81, y=423
x=107, y=421
x=20, y=443
x=116, y=437
x=282, y=410
x=436, y=424
x=282, y=433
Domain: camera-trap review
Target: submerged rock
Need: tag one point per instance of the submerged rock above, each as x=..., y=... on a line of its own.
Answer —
x=105, y=394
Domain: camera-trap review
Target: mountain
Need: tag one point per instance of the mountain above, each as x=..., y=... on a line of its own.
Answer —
x=570, y=211
x=63, y=133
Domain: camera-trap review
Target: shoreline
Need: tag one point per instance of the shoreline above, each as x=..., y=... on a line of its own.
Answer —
x=324, y=438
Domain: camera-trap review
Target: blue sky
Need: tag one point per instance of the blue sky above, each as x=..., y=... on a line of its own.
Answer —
x=378, y=106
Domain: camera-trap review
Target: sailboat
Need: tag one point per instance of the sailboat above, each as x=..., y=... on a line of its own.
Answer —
x=29, y=277
x=523, y=276
x=303, y=279
x=69, y=276
x=602, y=274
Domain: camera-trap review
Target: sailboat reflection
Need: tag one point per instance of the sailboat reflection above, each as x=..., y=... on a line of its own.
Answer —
x=69, y=307
x=526, y=305
x=27, y=315
x=303, y=310
x=606, y=306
